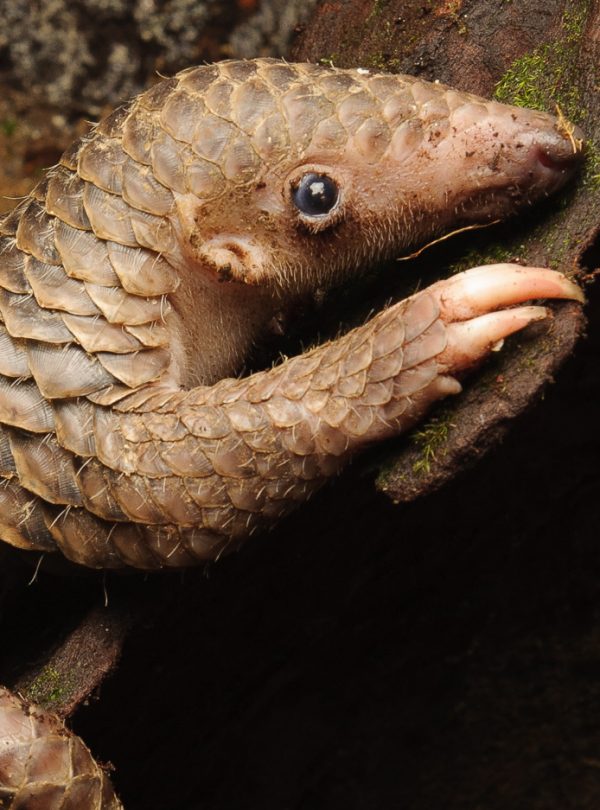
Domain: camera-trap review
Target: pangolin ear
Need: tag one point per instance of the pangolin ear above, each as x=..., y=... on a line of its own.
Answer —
x=235, y=258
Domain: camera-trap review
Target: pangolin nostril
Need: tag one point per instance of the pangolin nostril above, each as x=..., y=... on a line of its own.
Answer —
x=559, y=161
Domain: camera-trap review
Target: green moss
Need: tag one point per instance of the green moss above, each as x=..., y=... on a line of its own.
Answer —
x=48, y=688
x=8, y=126
x=591, y=171
x=378, y=7
x=429, y=440
x=548, y=75
x=490, y=254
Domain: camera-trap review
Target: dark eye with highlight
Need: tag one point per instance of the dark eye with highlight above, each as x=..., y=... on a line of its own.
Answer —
x=315, y=194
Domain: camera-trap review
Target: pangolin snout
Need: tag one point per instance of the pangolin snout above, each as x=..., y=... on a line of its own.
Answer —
x=554, y=149
x=561, y=150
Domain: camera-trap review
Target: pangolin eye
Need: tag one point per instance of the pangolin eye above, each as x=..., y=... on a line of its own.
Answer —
x=315, y=194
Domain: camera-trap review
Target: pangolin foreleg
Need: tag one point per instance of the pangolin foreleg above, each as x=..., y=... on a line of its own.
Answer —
x=176, y=477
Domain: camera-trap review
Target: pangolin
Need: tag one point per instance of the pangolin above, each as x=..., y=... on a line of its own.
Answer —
x=139, y=273
x=137, y=276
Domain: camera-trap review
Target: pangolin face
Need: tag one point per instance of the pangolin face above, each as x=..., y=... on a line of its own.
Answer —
x=323, y=171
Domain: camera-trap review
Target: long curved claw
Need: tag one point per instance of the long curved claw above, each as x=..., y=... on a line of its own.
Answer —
x=467, y=303
x=481, y=289
x=469, y=341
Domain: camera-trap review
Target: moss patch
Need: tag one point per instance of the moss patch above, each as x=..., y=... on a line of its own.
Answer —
x=548, y=76
x=47, y=688
x=429, y=441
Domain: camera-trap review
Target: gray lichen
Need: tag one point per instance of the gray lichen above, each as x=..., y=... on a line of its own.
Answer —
x=83, y=55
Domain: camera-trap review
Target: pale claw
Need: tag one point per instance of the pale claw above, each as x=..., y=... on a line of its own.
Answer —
x=469, y=341
x=494, y=286
x=467, y=302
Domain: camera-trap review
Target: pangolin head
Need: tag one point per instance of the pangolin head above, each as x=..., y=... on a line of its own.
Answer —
x=306, y=173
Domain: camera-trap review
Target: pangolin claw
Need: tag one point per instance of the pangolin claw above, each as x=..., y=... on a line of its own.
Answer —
x=468, y=304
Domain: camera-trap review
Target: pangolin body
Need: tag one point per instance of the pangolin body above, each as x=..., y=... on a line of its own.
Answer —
x=136, y=277
x=138, y=274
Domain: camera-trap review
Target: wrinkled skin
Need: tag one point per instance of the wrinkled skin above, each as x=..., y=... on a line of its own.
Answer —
x=142, y=270
x=145, y=266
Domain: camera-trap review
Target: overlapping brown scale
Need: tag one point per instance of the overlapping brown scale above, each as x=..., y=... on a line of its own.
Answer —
x=12, y=264
x=35, y=233
x=426, y=345
x=412, y=380
x=13, y=356
x=74, y=426
x=129, y=497
x=156, y=97
x=247, y=495
x=109, y=215
x=271, y=136
x=66, y=371
x=399, y=107
x=240, y=161
x=211, y=134
x=278, y=74
x=97, y=494
x=233, y=458
x=84, y=256
x=168, y=158
x=371, y=139
x=329, y=135
x=82, y=537
x=209, y=492
x=205, y=180
x=22, y=522
x=304, y=111
x=173, y=502
x=111, y=395
x=96, y=334
x=217, y=98
x=151, y=335
x=142, y=272
x=187, y=457
x=10, y=222
x=45, y=469
x=54, y=289
x=202, y=543
x=45, y=766
x=119, y=306
x=128, y=541
x=140, y=129
x=112, y=125
x=142, y=190
x=101, y=162
x=198, y=79
x=180, y=114
x=252, y=101
x=24, y=318
x=155, y=233
x=22, y=405
x=136, y=369
x=168, y=546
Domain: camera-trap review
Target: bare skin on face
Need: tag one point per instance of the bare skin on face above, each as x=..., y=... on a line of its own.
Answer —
x=138, y=275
